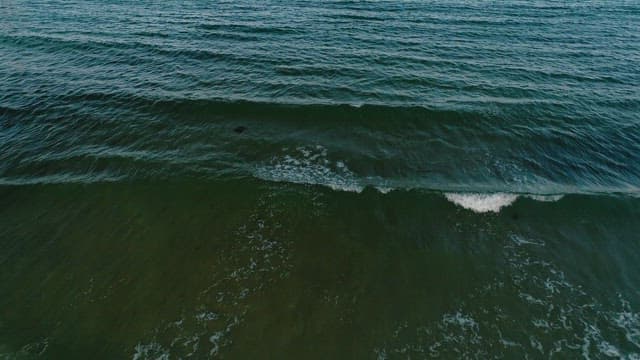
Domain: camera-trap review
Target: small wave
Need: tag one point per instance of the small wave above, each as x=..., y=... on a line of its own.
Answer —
x=545, y=198
x=384, y=189
x=310, y=165
x=62, y=178
x=155, y=34
x=482, y=203
x=250, y=28
x=492, y=202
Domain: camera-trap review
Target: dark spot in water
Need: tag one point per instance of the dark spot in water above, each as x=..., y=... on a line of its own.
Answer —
x=240, y=129
x=515, y=216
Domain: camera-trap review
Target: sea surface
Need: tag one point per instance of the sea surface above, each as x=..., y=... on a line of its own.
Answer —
x=319, y=179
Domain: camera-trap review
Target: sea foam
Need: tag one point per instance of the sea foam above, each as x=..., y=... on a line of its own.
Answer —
x=310, y=165
x=493, y=202
x=481, y=203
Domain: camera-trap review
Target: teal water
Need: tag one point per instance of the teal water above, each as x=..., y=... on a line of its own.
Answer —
x=307, y=179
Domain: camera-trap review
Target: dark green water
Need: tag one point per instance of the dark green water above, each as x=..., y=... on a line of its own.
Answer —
x=307, y=179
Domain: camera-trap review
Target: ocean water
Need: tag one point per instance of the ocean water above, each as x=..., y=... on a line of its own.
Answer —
x=319, y=179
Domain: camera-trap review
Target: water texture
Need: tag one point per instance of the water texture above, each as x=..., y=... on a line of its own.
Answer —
x=319, y=179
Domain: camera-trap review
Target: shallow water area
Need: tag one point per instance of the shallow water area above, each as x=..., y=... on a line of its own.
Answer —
x=238, y=269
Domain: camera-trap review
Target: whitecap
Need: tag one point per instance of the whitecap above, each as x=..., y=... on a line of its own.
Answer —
x=545, y=198
x=384, y=189
x=310, y=165
x=482, y=203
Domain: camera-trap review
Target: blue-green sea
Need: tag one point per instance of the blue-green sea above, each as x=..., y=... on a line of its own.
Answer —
x=316, y=179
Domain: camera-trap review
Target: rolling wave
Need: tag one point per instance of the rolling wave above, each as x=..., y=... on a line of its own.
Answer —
x=106, y=135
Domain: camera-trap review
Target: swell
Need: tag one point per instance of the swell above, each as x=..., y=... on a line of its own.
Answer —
x=113, y=47
x=249, y=28
x=323, y=112
x=523, y=114
x=258, y=110
x=336, y=145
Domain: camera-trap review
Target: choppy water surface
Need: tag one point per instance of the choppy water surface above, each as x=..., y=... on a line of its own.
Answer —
x=307, y=179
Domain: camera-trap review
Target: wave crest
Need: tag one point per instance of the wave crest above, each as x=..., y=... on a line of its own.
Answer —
x=481, y=203
x=492, y=202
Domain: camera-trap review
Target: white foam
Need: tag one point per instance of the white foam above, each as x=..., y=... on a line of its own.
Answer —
x=384, y=189
x=215, y=341
x=482, y=203
x=310, y=165
x=492, y=202
x=460, y=319
x=522, y=240
x=545, y=198
x=629, y=323
x=206, y=316
x=152, y=350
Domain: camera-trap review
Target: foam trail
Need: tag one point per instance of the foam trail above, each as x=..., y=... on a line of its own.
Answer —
x=482, y=203
x=310, y=165
x=384, y=189
x=545, y=198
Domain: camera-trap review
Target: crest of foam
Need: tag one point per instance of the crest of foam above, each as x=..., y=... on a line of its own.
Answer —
x=545, y=198
x=481, y=203
x=310, y=165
